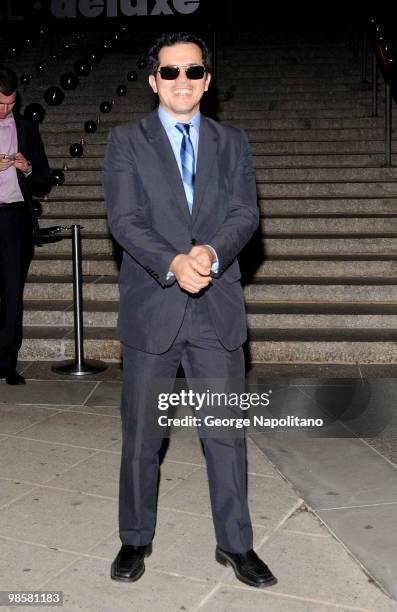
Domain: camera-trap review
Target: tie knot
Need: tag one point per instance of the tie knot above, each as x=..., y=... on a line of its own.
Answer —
x=183, y=127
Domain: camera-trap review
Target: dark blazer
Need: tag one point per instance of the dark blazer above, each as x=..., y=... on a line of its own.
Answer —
x=149, y=217
x=31, y=146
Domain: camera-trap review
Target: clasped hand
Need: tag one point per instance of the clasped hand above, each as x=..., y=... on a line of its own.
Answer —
x=19, y=162
x=192, y=271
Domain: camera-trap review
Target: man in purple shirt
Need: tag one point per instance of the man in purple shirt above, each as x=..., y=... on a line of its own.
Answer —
x=24, y=172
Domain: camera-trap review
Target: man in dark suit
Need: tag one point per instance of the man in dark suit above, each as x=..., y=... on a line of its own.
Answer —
x=181, y=200
x=23, y=171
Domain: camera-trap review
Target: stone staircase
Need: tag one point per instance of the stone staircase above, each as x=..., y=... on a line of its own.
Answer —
x=325, y=290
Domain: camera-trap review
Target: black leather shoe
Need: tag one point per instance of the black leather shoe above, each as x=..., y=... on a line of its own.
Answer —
x=247, y=567
x=129, y=564
x=13, y=378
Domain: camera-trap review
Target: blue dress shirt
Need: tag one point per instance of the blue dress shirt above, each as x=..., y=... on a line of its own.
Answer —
x=175, y=138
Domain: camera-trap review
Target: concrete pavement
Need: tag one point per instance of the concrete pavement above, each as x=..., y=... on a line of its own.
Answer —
x=59, y=458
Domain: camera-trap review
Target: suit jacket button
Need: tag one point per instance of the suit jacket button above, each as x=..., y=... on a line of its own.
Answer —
x=193, y=241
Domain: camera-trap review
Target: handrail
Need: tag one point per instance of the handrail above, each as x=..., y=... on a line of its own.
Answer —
x=382, y=60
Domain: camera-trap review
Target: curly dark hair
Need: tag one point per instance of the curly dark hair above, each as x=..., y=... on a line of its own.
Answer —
x=8, y=81
x=168, y=40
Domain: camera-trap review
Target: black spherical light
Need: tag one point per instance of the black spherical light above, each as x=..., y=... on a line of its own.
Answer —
x=57, y=177
x=121, y=90
x=90, y=127
x=76, y=149
x=69, y=81
x=25, y=79
x=54, y=96
x=35, y=111
x=105, y=107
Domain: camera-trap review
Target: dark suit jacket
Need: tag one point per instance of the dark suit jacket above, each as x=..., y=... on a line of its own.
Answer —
x=31, y=146
x=149, y=217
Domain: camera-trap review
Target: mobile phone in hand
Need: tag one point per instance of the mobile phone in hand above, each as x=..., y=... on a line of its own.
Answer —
x=9, y=157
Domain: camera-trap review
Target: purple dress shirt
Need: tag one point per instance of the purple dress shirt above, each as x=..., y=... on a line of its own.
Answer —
x=9, y=186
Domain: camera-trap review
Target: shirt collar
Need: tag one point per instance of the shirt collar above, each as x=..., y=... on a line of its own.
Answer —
x=169, y=121
x=9, y=120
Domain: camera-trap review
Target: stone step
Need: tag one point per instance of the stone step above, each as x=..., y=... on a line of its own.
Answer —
x=320, y=322
x=59, y=206
x=352, y=269
x=307, y=107
x=366, y=346
x=86, y=163
x=314, y=98
x=357, y=189
x=309, y=161
x=89, y=99
x=333, y=205
x=294, y=226
x=61, y=288
x=90, y=103
x=314, y=349
x=357, y=123
x=260, y=161
x=336, y=175
x=93, y=223
x=254, y=135
x=57, y=343
x=266, y=315
x=304, y=136
x=60, y=313
x=365, y=293
x=89, y=96
x=333, y=119
x=325, y=245
x=315, y=308
x=316, y=135
x=91, y=243
x=246, y=123
x=97, y=151
x=329, y=247
x=289, y=206
x=297, y=289
x=318, y=147
x=348, y=105
x=269, y=175
x=97, y=264
x=69, y=190
x=262, y=112
x=317, y=189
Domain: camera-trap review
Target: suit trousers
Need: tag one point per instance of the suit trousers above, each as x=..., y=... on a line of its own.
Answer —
x=16, y=251
x=202, y=356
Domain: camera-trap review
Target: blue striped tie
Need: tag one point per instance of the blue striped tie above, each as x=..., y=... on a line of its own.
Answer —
x=187, y=162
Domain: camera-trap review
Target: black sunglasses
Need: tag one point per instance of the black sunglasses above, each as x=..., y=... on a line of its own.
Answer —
x=170, y=73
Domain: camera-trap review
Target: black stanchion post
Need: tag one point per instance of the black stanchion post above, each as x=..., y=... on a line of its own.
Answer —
x=388, y=125
x=79, y=366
